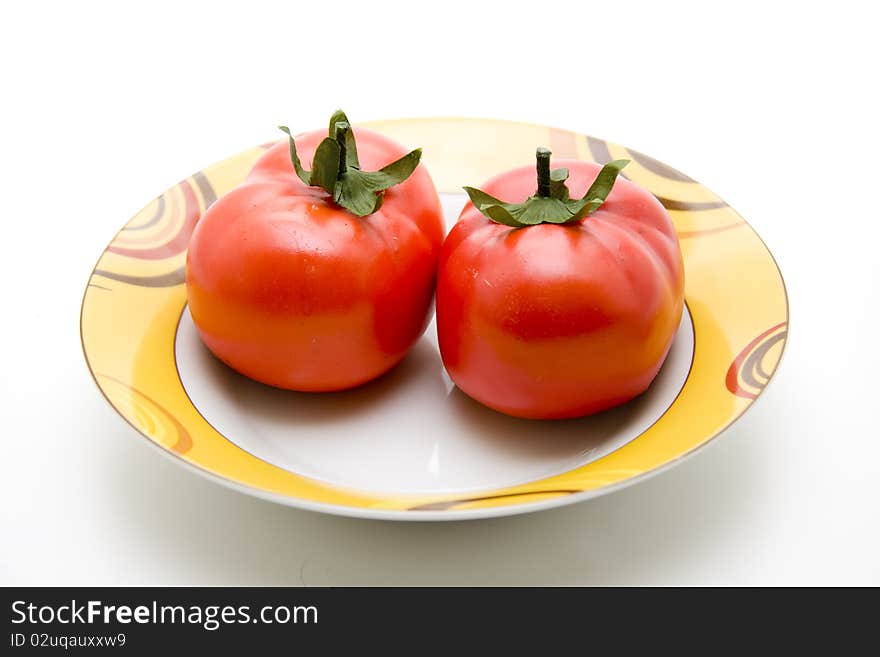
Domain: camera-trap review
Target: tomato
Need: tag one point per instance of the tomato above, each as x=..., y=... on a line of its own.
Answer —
x=558, y=320
x=289, y=288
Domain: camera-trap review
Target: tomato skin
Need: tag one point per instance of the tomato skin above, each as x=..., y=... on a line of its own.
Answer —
x=295, y=292
x=559, y=321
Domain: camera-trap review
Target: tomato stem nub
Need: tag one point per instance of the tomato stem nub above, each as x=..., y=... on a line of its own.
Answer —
x=542, y=155
x=342, y=128
x=551, y=203
x=337, y=170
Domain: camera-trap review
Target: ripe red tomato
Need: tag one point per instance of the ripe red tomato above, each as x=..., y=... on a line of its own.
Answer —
x=290, y=289
x=559, y=320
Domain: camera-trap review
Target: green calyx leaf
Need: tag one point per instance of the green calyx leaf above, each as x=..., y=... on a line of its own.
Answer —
x=557, y=183
x=551, y=203
x=336, y=169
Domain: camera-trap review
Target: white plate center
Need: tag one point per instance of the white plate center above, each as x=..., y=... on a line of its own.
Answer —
x=412, y=430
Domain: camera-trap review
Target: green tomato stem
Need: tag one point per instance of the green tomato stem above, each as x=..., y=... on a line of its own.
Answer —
x=342, y=128
x=336, y=169
x=542, y=155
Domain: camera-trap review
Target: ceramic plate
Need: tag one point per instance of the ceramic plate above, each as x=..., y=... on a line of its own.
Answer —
x=411, y=446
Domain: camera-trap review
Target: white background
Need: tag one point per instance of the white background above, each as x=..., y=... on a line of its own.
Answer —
x=772, y=106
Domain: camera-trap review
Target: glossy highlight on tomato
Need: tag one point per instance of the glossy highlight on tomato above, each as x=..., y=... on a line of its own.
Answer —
x=292, y=290
x=559, y=320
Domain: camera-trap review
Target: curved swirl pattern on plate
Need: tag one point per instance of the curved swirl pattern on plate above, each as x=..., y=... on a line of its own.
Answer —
x=147, y=415
x=750, y=372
